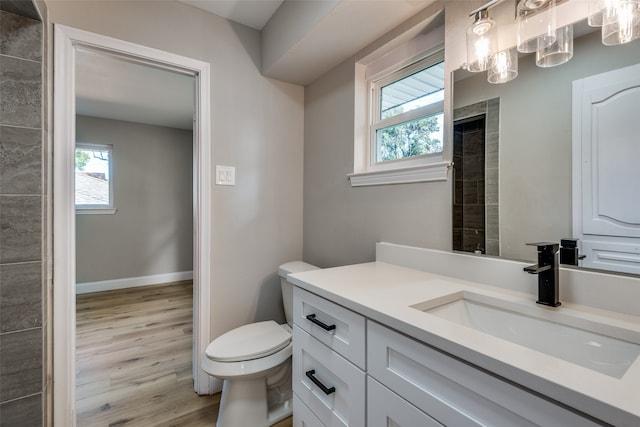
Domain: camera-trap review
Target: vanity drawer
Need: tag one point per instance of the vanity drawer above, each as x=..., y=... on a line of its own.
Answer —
x=302, y=415
x=339, y=328
x=455, y=393
x=343, y=406
x=385, y=408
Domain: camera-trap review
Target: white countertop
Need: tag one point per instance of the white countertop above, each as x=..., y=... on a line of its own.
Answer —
x=385, y=293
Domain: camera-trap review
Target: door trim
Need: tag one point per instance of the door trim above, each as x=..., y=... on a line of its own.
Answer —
x=66, y=40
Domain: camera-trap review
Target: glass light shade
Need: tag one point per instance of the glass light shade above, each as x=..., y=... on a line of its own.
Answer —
x=559, y=52
x=536, y=21
x=503, y=66
x=595, y=14
x=482, y=42
x=621, y=22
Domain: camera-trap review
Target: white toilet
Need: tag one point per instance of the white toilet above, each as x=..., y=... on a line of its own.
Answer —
x=255, y=363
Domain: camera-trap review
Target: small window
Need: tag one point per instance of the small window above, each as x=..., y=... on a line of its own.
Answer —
x=94, y=185
x=407, y=112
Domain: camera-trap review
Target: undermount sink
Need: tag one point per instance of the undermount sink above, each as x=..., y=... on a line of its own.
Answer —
x=563, y=333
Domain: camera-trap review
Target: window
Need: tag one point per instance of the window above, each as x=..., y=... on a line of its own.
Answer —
x=399, y=118
x=94, y=186
x=408, y=105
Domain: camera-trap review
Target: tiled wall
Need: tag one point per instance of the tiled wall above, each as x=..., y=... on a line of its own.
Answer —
x=469, y=186
x=467, y=239
x=22, y=219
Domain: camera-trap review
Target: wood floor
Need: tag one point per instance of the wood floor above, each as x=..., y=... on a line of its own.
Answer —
x=133, y=360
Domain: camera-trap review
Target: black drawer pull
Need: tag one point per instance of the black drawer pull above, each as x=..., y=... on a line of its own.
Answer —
x=318, y=383
x=312, y=318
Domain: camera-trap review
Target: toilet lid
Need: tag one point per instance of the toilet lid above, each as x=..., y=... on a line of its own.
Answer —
x=249, y=342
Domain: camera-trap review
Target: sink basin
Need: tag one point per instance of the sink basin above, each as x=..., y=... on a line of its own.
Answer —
x=567, y=334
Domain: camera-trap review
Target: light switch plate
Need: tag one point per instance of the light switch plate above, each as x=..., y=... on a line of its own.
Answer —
x=225, y=175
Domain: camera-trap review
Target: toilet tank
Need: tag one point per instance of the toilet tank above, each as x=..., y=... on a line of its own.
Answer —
x=287, y=287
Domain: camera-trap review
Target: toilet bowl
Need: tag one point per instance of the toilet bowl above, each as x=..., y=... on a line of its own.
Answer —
x=254, y=361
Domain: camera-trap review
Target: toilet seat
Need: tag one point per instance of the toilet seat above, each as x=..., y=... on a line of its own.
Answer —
x=249, y=342
x=250, y=368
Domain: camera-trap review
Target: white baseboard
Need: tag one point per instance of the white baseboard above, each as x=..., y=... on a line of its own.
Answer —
x=132, y=282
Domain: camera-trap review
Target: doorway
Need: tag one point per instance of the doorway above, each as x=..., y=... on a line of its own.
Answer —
x=67, y=42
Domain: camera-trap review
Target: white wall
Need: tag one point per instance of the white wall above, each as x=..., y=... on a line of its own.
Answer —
x=257, y=126
x=342, y=223
x=152, y=231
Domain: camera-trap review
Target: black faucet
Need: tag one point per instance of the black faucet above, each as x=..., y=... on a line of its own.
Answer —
x=547, y=271
x=569, y=252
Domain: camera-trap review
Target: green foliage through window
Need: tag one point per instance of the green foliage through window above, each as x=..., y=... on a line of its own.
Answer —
x=408, y=139
x=82, y=158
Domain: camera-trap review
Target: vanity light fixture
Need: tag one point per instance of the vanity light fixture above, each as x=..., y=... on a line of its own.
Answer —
x=620, y=22
x=537, y=32
x=482, y=40
x=560, y=51
x=503, y=66
x=596, y=11
x=619, y=19
x=535, y=17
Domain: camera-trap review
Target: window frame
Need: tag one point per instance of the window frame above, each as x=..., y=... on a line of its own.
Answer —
x=93, y=208
x=385, y=60
x=376, y=84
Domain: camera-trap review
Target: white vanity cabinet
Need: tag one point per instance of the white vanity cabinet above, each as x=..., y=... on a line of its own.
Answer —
x=453, y=392
x=387, y=409
x=352, y=371
x=328, y=363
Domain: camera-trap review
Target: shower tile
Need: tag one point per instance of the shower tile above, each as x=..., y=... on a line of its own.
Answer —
x=470, y=110
x=470, y=192
x=493, y=247
x=20, y=364
x=20, y=36
x=458, y=194
x=20, y=92
x=20, y=228
x=473, y=167
x=492, y=150
x=20, y=296
x=491, y=195
x=473, y=143
x=45, y=166
x=20, y=160
x=25, y=412
x=457, y=239
x=458, y=216
x=473, y=217
x=20, y=7
x=493, y=115
x=492, y=222
x=472, y=240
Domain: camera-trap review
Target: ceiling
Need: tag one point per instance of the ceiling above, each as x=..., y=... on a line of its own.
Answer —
x=114, y=88
x=252, y=13
x=301, y=40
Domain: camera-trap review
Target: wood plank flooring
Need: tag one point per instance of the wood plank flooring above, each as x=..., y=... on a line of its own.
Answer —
x=133, y=360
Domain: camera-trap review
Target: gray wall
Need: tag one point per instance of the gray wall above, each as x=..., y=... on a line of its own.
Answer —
x=257, y=126
x=23, y=195
x=535, y=140
x=151, y=232
x=341, y=223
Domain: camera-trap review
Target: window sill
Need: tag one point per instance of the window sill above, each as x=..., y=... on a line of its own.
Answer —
x=423, y=173
x=96, y=211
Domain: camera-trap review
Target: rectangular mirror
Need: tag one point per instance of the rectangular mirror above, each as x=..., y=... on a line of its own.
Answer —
x=526, y=191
